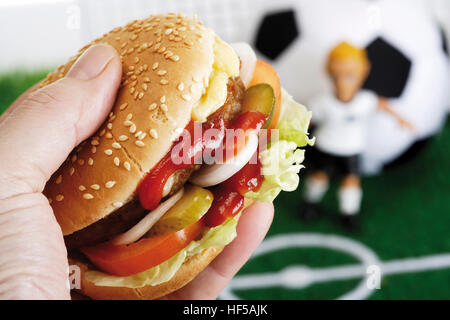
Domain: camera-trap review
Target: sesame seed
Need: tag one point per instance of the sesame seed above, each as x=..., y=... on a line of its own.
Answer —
x=88, y=196
x=186, y=97
x=138, y=133
x=123, y=106
x=95, y=187
x=59, y=179
x=133, y=37
x=94, y=149
x=136, y=95
x=168, y=31
x=123, y=138
x=59, y=197
x=144, y=86
x=141, y=95
x=117, y=204
x=110, y=184
x=109, y=125
x=132, y=90
x=80, y=162
x=142, y=136
x=74, y=158
x=124, y=45
x=152, y=106
x=131, y=68
x=153, y=133
x=72, y=171
x=108, y=152
x=108, y=135
x=161, y=72
x=102, y=133
x=116, y=145
x=129, y=116
x=181, y=86
x=90, y=161
x=163, y=99
x=174, y=58
x=127, y=165
x=162, y=49
x=116, y=161
x=133, y=128
x=164, y=107
x=147, y=79
x=139, y=143
x=81, y=187
x=155, y=65
x=145, y=67
x=163, y=81
x=127, y=123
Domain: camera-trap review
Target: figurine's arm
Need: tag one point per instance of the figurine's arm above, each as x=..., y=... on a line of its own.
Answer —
x=384, y=105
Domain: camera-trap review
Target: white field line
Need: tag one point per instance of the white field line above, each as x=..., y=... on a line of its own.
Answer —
x=300, y=276
x=303, y=276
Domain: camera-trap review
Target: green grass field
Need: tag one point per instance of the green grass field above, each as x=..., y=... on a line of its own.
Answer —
x=405, y=214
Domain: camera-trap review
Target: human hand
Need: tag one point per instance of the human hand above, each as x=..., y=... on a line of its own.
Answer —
x=251, y=230
x=37, y=133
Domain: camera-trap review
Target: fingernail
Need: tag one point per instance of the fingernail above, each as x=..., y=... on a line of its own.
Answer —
x=92, y=62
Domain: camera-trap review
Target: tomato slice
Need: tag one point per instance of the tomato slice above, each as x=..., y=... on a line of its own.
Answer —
x=265, y=73
x=125, y=260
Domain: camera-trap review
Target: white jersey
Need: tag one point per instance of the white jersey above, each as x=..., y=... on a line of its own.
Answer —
x=342, y=127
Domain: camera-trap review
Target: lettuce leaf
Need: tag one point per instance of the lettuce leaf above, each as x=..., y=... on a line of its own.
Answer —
x=294, y=121
x=281, y=161
x=217, y=236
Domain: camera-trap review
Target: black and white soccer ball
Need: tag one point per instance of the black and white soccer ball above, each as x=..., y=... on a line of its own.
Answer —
x=408, y=52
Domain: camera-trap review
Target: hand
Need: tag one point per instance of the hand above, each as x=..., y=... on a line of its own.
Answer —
x=37, y=133
x=252, y=228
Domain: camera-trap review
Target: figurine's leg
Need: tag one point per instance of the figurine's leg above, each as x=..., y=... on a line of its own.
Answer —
x=350, y=196
x=315, y=188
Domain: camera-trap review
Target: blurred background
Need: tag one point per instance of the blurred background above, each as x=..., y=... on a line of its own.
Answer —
x=405, y=213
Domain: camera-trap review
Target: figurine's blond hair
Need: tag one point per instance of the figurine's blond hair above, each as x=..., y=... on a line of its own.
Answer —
x=344, y=51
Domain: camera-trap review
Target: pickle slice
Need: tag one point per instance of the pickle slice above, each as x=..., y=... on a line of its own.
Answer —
x=261, y=98
x=189, y=209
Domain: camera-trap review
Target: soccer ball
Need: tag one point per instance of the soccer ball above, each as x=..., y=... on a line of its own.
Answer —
x=409, y=56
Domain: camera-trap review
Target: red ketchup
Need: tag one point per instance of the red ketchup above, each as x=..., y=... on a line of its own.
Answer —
x=228, y=196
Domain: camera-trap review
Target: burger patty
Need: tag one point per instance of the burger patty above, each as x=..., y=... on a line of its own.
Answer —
x=132, y=212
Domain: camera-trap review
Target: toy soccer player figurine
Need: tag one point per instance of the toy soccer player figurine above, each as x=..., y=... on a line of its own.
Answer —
x=341, y=120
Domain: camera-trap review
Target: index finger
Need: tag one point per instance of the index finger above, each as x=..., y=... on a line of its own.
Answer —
x=251, y=230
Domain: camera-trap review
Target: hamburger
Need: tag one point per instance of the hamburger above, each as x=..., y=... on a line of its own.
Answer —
x=147, y=202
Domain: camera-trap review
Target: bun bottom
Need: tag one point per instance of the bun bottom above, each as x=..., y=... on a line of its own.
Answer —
x=187, y=272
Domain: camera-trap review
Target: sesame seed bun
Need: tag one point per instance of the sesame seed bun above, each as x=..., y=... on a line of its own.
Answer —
x=166, y=59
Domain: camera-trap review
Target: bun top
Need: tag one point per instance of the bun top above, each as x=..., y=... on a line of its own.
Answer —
x=167, y=61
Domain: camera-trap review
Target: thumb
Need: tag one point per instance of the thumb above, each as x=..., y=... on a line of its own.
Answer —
x=39, y=133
